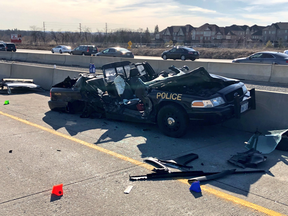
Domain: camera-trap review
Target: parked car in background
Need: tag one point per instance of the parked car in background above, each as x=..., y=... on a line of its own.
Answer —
x=61, y=49
x=85, y=50
x=181, y=52
x=265, y=57
x=116, y=52
x=3, y=47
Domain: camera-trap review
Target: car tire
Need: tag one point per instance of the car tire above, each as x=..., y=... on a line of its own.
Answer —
x=69, y=108
x=193, y=59
x=183, y=58
x=172, y=120
x=52, y=51
x=60, y=51
x=164, y=57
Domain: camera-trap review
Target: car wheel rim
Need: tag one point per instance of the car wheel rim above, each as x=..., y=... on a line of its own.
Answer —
x=171, y=122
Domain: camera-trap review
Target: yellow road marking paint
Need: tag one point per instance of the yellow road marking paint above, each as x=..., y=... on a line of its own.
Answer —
x=205, y=188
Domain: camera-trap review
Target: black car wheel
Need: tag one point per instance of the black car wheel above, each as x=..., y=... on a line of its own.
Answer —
x=192, y=59
x=172, y=121
x=60, y=51
x=164, y=57
x=183, y=58
x=52, y=51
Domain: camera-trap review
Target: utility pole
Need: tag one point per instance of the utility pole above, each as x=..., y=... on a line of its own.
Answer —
x=105, y=40
x=44, y=37
x=80, y=29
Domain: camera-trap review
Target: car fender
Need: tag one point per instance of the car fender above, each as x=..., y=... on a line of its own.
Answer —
x=164, y=102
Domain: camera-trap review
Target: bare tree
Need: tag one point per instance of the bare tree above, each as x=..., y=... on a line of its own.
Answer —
x=35, y=34
x=54, y=36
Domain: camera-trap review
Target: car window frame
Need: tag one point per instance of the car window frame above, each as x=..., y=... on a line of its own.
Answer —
x=264, y=56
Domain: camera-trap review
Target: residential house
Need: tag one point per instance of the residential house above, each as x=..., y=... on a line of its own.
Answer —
x=275, y=32
x=253, y=34
x=204, y=33
x=211, y=33
x=178, y=34
x=238, y=31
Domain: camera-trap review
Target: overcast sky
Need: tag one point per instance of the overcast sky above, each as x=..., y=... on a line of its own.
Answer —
x=65, y=15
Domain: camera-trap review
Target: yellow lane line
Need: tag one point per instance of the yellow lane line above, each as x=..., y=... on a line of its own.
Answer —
x=149, y=167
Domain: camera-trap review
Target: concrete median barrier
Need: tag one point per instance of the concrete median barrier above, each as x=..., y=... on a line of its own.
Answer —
x=19, y=56
x=279, y=74
x=258, y=72
x=270, y=114
x=5, y=55
x=99, y=61
x=39, y=58
x=55, y=59
x=5, y=70
x=41, y=76
x=76, y=60
x=165, y=64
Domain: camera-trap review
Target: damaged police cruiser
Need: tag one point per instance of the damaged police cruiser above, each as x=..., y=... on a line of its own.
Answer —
x=134, y=92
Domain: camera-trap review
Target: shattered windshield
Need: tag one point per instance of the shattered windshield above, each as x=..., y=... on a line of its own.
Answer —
x=110, y=74
x=127, y=70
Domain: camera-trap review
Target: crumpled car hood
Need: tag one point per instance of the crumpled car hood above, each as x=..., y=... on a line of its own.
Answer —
x=197, y=76
x=192, y=82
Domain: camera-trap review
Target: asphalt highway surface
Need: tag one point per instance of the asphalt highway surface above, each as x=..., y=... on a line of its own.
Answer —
x=93, y=159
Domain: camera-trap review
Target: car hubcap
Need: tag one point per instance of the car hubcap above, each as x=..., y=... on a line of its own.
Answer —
x=171, y=121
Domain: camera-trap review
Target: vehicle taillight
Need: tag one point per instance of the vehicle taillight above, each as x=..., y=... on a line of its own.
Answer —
x=50, y=95
x=87, y=50
x=287, y=61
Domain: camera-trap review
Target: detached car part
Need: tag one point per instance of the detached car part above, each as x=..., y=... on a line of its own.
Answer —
x=191, y=174
x=178, y=163
x=13, y=83
x=250, y=158
x=267, y=142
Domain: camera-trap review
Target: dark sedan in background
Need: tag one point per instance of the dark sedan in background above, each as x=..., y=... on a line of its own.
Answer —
x=116, y=52
x=181, y=52
x=265, y=57
x=84, y=50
